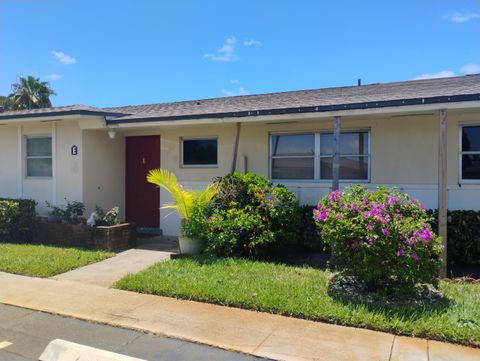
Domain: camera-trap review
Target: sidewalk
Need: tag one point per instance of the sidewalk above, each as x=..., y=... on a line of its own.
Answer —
x=256, y=333
x=106, y=272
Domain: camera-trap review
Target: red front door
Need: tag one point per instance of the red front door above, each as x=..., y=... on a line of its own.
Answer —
x=142, y=198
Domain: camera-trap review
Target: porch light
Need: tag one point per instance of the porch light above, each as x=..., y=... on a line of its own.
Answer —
x=112, y=133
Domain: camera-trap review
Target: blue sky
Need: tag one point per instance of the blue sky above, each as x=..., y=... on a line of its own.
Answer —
x=120, y=52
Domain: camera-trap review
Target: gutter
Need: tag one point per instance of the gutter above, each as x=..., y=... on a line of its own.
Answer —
x=60, y=113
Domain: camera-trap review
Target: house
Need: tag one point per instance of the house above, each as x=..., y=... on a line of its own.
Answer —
x=390, y=134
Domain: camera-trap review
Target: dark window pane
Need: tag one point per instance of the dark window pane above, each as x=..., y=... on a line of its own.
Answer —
x=350, y=143
x=293, y=145
x=471, y=138
x=350, y=168
x=200, y=152
x=39, y=167
x=39, y=147
x=292, y=168
x=471, y=166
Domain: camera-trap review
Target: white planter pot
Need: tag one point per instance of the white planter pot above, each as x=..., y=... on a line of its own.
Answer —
x=189, y=246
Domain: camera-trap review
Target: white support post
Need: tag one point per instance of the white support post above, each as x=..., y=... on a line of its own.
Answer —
x=336, y=154
x=20, y=161
x=442, y=188
x=54, y=163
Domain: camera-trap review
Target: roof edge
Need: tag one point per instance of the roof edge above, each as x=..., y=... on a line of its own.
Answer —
x=61, y=113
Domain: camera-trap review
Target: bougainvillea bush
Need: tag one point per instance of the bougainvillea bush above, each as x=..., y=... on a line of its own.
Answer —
x=382, y=238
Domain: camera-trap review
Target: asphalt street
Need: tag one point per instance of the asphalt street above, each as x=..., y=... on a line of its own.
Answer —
x=24, y=334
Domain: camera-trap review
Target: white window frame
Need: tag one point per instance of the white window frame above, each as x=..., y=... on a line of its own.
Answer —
x=317, y=156
x=182, y=165
x=461, y=153
x=27, y=157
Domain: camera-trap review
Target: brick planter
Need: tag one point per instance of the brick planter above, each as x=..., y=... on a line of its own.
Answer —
x=79, y=235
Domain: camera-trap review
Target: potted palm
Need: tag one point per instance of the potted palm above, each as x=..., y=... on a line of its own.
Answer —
x=183, y=202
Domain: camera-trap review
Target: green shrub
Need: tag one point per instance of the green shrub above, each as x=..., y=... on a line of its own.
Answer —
x=247, y=216
x=18, y=220
x=70, y=213
x=463, y=235
x=381, y=238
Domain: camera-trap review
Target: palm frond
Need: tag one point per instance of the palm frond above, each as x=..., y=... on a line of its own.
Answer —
x=184, y=199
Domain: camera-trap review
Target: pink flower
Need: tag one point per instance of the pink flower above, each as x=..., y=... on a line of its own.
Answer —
x=370, y=227
x=385, y=232
x=321, y=216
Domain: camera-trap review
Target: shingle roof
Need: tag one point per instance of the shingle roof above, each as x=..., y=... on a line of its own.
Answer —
x=328, y=97
x=461, y=88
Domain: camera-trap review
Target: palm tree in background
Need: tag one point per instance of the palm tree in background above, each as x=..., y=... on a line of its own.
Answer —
x=29, y=93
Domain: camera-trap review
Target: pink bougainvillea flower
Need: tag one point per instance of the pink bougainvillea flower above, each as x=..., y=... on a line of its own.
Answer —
x=385, y=232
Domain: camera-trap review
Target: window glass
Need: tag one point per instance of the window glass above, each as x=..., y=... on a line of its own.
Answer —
x=293, y=145
x=471, y=166
x=350, y=143
x=39, y=167
x=200, y=151
x=293, y=168
x=39, y=147
x=471, y=139
x=355, y=168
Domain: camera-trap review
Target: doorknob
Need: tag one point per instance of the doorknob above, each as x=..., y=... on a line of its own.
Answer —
x=144, y=160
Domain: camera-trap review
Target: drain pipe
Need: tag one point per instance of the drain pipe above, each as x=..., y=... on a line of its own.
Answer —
x=235, y=148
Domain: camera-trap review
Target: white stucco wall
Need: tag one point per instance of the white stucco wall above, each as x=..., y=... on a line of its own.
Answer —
x=66, y=181
x=104, y=171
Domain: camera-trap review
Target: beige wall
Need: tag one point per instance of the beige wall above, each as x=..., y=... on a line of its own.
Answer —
x=403, y=148
x=103, y=171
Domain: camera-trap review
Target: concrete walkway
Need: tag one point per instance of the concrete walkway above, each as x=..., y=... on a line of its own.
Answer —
x=106, y=272
x=255, y=333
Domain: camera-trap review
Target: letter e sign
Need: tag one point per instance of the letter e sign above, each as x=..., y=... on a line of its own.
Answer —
x=74, y=150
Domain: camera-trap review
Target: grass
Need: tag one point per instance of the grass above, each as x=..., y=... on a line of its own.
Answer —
x=45, y=261
x=302, y=292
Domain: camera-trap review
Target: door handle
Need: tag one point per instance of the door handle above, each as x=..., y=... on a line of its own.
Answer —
x=144, y=161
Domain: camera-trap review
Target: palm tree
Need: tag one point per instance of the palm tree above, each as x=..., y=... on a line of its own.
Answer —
x=30, y=93
x=183, y=199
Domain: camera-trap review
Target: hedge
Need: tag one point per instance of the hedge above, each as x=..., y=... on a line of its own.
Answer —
x=19, y=221
x=463, y=235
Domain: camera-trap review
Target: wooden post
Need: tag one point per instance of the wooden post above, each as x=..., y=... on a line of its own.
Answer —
x=442, y=188
x=235, y=148
x=336, y=154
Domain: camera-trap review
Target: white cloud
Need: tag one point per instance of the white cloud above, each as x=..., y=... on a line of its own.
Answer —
x=54, y=77
x=64, y=58
x=225, y=53
x=440, y=74
x=458, y=17
x=242, y=91
x=234, y=81
x=252, y=42
x=470, y=69
x=229, y=93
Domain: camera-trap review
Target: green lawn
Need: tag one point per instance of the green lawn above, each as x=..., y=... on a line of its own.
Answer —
x=302, y=292
x=45, y=261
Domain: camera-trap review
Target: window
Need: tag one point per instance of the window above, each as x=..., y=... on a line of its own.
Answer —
x=200, y=152
x=293, y=156
x=310, y=156
x=39, y=156
x=470, y=153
